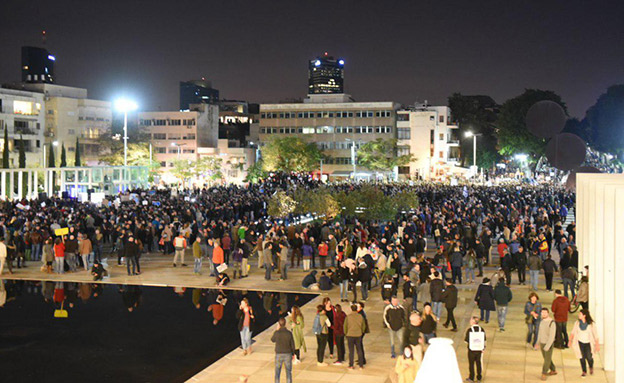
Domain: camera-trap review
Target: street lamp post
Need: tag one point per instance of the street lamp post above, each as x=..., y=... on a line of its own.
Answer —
x=124, y=105
x=179, y=148
x=352, y=156
x=474, y=146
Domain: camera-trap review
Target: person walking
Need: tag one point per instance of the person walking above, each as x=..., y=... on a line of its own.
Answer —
x=560, y=308
x=549, y=267
x=485, y=299
x=532, y=312
x=407, y=365
x=320, y=327
x=297, y=325
x=568, y=277
x=412, y=334
x=71, y=249
x=584, y=341
x=457, y=261
x=436, y=287
x=429, y=323
x=502, y=296
x=535, y=265
x=449, y=296
x=475, y=339
x=267, y=259
x=394, y=320
x=582, y=295
x=284, y=349
x=179, y=244
x=245, y=316
x=197, y=255
x=354, y=327
x=545, y=341
x=520, y=262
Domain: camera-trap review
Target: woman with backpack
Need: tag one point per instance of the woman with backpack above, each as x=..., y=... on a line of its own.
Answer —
x=321, y=330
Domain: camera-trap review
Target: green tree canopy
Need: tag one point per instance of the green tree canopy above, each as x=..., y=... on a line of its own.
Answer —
x=22, y=153
x=63, y=156
x=513, y=135
x=77, y=161
x=51, y=159
x=290, y=154
x=381, y=155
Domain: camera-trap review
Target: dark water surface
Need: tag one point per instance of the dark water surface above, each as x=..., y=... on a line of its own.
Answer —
x=165, y=338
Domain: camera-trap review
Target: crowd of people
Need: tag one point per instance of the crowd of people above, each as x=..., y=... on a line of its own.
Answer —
x=514, y=228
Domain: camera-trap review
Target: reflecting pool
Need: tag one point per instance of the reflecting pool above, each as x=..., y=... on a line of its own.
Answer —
x=122, y=333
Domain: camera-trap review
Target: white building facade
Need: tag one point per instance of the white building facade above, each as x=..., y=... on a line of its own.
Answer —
x=22, y=116
x=426, y=132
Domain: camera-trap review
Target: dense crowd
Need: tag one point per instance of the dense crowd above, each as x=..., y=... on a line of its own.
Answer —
x=516, y=228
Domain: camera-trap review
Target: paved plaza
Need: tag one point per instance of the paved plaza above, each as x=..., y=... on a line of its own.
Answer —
x=507, y=359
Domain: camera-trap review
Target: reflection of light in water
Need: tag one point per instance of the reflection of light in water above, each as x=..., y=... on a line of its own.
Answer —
x=439, y=363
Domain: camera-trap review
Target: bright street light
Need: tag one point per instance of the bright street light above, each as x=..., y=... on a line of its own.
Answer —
x=469, y=134
x=521, y=157
x=125, y=105
x=179, y=147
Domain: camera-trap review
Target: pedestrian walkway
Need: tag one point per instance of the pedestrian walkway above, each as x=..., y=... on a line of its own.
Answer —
x=506, y=359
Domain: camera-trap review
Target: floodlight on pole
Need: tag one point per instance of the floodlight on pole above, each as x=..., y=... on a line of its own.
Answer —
x=125, y=105
x=469, y=134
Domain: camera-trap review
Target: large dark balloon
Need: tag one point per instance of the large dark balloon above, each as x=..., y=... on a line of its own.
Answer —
x=545, y=119
x=571, y=181
x=566, y=151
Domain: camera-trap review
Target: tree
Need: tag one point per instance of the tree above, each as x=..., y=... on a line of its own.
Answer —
x=255, y=172
x=111, y=147
x=290, y=154
x=381, y=155
x=51, y=159
x=513, y=135
x=77, y=161
x=208, y=167
x=5, y=150
x=281, y=204
x=22, y=153
x=183, y=170
x=63, y=156
x=605, y=121
x=476, y=114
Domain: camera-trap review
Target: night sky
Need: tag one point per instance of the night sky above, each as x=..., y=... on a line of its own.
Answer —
x=403, y=51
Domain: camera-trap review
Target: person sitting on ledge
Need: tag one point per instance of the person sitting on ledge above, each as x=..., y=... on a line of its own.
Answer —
x=223, y=279
x=325, y=282
x=309, y=280
x=98, y=271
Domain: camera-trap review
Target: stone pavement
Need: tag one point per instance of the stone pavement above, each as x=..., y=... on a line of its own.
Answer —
x=507, y=359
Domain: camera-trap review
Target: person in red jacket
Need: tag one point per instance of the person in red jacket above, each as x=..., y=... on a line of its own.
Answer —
x=323, y=250
x=560, y=308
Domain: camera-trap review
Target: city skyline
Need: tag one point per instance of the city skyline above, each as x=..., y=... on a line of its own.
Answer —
x=260, y=53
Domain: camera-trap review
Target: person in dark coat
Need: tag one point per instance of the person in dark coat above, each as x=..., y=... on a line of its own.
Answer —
x=436, y=287
x=485, y=299
x=449, y=296
x=325, y=282
x=309, y=279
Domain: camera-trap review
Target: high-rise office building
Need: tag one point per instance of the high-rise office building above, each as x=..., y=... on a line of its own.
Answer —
x=326, y=75
x=37, y=65
x=197, y=92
